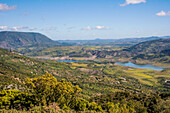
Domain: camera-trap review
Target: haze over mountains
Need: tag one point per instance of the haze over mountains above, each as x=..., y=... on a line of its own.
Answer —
x=35, y=44
x=114, y=42
x=11, y=39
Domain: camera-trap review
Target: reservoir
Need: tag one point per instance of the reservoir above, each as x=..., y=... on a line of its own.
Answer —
x=65, y=60
x=130, y=64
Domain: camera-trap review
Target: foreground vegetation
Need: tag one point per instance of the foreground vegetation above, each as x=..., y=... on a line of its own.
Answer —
x=94, y=78
x=46, y=94
x=89, y=86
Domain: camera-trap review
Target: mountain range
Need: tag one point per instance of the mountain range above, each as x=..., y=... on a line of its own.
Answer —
x=35, y=44
x=15, y=40
x=113, y=42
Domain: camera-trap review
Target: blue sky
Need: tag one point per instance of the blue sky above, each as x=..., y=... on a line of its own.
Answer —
x=87, y=19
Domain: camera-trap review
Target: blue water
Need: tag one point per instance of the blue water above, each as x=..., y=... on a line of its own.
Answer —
x=65, y=60
x=130, y=64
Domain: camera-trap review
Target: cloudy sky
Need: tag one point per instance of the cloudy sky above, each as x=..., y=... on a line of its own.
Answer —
x=87, y=19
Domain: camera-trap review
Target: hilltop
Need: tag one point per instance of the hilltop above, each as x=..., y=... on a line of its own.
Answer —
x=25, y=41
x=149, y=47
x=152, y=51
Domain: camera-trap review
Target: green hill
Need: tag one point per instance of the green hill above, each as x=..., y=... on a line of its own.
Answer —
x=151, y=51
x=149, y=47
x=94, y=78
x=25, y=41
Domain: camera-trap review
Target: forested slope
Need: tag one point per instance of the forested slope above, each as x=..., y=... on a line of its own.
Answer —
x=22, y=86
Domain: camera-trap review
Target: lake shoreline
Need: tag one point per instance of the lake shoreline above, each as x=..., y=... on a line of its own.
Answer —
x=121, y=60
x=142, y=62
x=141, y=66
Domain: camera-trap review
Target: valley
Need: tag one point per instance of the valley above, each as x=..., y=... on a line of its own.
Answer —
x=84, y=56
x=106, y=73
x=95, y=69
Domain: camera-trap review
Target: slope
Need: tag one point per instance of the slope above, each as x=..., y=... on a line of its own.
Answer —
x=25, y=41
x=94, y=78
x=149, y=47
x=156, y=51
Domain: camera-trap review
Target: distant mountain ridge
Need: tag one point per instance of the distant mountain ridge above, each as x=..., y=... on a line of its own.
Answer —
x=150, y=51
x=115, y=42
x=10, y=39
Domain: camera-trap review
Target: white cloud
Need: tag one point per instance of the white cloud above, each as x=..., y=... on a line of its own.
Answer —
x=163, y=13
x=96, y=27
x=87, y=28
x=133, y=2
x=3, y=28
x=5, y=7
x=19, y=28
x=101, y=27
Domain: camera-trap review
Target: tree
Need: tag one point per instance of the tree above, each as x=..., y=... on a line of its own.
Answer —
x=43, y=88
x=47, y=89
x=14, y=99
